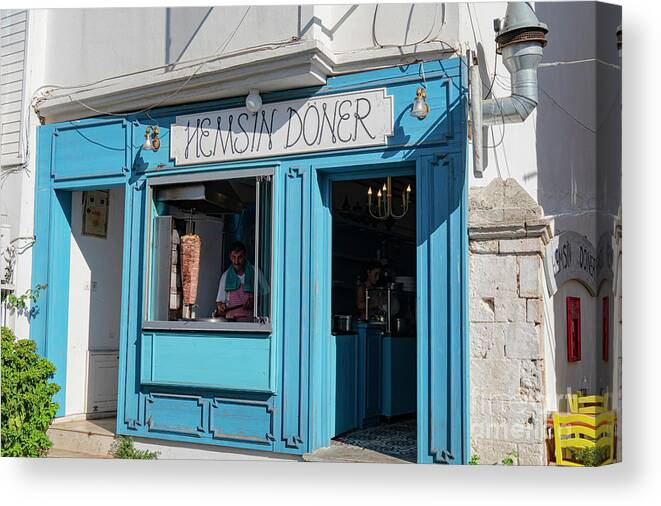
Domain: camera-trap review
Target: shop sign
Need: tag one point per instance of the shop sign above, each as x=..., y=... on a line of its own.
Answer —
x=572, y=256
x=342, y=121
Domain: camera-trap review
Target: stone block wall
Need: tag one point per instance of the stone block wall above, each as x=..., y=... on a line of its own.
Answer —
x=507, y=235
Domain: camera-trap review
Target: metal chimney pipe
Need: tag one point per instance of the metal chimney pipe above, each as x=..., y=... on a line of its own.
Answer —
x=520, y=38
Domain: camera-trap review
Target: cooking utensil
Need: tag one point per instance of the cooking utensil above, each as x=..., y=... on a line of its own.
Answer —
x=381, y=318
x=342, y=323
x=215, y=317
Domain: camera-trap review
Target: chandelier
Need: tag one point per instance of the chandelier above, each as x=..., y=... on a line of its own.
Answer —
x=384, y=204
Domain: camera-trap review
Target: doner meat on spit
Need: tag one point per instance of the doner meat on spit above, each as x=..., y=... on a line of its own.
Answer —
x=191, y=245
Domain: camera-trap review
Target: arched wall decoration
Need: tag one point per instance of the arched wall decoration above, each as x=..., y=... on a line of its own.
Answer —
x=570, y=255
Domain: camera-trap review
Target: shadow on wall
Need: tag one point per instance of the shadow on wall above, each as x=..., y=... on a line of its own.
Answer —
x=579, y=162
x=579, y=114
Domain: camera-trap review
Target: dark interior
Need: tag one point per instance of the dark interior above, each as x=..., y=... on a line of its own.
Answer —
x=374, y=351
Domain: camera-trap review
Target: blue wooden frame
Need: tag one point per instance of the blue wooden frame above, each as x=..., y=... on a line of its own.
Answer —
x=292, y=407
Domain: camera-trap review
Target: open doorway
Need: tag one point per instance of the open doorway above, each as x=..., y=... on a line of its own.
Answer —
x=95, y=285
x=373, y=300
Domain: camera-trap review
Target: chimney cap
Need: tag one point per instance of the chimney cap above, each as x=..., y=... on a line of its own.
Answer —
x=520, y=24
x=519, y=16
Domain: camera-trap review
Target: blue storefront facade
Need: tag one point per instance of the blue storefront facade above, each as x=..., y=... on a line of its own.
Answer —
x=268, y=389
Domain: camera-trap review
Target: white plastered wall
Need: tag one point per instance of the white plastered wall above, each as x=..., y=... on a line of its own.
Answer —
x=94, y=296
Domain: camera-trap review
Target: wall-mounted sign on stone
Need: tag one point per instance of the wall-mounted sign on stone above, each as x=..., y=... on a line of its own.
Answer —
x=342, y=121
x=572, y=256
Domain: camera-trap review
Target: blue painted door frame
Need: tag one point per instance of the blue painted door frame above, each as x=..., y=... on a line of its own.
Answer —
x=49, y=327
x=442, y=351
x=100, y=153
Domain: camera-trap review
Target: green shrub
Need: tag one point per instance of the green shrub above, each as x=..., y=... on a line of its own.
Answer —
x=590, y=456
x=475, y=460
x=510, y=458
x=27, y=406
x=122, y=448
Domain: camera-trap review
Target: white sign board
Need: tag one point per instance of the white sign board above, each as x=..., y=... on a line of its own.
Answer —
x=342, y=121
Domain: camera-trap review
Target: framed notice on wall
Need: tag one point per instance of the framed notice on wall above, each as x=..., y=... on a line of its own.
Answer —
x=95, y=213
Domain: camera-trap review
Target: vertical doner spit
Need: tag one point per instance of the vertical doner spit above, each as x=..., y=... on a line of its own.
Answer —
x=191, y=244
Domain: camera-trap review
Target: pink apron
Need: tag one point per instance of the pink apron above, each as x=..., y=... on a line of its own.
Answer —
x=235, y=298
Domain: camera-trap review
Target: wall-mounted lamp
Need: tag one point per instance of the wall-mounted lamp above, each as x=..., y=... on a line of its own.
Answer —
x=152, y=142
x=420, y=107
x=254, y=101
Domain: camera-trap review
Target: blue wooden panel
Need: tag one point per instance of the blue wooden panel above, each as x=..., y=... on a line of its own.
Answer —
x=177, y=414
x=442, y=336
x=369, y=374
x=40, y=250
x=294, y=299
x=210, y=360
x=90, y=150
x=344, y=378
x=129, y=407
x=58, y=287
x=242, y=421
x=398, y=391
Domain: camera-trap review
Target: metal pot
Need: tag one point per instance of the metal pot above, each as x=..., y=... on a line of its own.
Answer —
x=342, y=323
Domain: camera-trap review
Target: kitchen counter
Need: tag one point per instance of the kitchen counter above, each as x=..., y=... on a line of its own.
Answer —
x=373, y=376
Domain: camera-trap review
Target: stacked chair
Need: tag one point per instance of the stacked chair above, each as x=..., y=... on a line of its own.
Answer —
x=588, y=425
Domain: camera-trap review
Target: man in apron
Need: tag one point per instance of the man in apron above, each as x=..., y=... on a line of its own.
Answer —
x=235, y=299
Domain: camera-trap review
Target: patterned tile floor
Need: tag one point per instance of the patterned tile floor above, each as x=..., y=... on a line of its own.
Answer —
x=397, y=439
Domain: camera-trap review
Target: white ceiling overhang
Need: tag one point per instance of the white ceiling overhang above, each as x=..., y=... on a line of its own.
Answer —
x=301, y=64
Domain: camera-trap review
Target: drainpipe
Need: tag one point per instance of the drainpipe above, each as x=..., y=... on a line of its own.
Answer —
x=520, y=38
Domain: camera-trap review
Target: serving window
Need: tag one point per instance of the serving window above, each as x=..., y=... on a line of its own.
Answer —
x=211, y=251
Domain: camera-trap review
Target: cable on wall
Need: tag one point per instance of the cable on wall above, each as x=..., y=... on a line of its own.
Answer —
x=220, y=51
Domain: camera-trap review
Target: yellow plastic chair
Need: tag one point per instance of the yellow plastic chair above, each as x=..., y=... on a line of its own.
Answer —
x=587, y=404
x=583, y=431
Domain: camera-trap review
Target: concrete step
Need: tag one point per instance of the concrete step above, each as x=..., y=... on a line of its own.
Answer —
x=351, y=454
x=84, y=438
x=57, y=453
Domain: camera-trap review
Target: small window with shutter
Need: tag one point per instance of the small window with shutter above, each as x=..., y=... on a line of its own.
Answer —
x=605, y=324
x=573, y=329
x=13, y=28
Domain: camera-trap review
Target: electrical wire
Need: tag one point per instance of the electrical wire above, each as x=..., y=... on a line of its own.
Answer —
x=422, y=70
x=493, y=80
x=470, y=17
x=421, y=41
x=220, y=51
x=272, y=45
x=572, y=62
x=578, y=121
x=180, y=66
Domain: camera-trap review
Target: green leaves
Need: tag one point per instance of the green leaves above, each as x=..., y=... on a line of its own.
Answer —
x=510, y=459
x=122, y=448
x=591, y=456
x=27, y=407
x=23, y=304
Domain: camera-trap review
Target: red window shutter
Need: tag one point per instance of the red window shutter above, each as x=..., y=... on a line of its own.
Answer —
x=605, y=324
x=573, y=329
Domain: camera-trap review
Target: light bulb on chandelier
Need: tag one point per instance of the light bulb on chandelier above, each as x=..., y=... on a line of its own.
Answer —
x=384, y=202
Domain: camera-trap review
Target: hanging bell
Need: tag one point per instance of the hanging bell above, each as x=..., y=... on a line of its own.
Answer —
x=420, y=107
